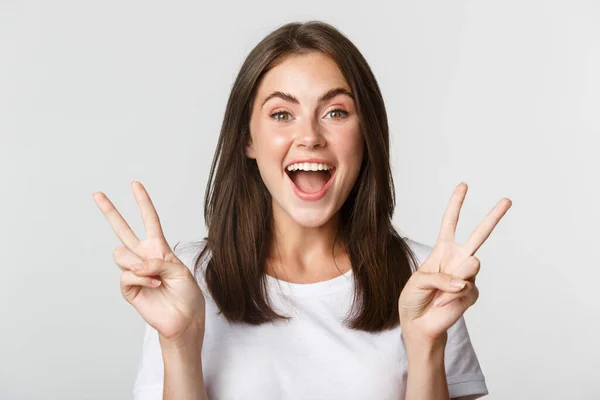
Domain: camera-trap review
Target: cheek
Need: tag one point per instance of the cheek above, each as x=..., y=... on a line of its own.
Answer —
x=268, y=139
x=350, y=145
x=271, y=146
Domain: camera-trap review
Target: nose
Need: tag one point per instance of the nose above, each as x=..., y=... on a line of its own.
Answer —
x=310, y=137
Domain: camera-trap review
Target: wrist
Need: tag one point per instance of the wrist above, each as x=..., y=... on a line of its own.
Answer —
x=189, y=340
x=424, y=348
x=426, y=368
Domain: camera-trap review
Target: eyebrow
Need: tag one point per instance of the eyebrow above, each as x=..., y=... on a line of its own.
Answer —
x=327, y=96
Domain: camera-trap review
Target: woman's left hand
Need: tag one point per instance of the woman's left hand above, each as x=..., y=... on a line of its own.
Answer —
x=429, y=304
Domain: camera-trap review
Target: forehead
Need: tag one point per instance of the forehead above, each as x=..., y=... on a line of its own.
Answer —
x=308, y=74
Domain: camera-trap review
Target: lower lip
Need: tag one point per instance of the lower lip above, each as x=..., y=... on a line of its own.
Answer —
x=311, y=196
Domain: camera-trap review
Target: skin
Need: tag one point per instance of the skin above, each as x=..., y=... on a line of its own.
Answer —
x=305, y=230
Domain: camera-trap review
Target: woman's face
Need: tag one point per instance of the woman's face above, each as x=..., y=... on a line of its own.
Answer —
x=306, y=138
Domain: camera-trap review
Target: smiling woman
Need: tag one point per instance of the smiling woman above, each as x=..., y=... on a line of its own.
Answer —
x=311, y=90
x=310, y=291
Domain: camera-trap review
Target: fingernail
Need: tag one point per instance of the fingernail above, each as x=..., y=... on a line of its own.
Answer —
x=457, y=284
x=155, y=282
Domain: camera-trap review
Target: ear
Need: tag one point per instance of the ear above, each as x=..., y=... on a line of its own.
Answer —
x=250, y=149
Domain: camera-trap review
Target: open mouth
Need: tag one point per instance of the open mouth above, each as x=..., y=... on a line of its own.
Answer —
x=310, y=179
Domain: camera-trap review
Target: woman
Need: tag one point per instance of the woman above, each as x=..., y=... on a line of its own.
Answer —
x=303, y=289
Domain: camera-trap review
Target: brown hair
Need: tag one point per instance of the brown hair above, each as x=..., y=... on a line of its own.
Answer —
x=237, y=206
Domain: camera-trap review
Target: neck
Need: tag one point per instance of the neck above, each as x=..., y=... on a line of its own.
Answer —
x=306, y=254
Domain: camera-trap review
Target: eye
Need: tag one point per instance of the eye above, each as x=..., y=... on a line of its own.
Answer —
x=280, y=113
x=338, y=111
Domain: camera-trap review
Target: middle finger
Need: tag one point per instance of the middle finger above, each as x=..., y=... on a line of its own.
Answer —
x=149, y=214
x=468, y=269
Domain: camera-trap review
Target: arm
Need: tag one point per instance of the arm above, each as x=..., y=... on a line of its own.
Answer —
x=182, y=359
x=426, y=371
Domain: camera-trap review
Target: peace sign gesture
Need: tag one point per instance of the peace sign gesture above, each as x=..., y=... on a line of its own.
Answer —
x=443, y=287
x=154, y=281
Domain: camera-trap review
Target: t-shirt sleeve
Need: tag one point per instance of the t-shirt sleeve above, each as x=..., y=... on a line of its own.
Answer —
x=149, y=379
x=463, y=372
x=150, y=374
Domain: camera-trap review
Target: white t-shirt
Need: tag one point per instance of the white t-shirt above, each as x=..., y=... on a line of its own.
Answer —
x=312, y=356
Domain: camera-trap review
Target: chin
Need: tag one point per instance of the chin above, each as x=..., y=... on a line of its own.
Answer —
x=305, y=217
x=310, y=218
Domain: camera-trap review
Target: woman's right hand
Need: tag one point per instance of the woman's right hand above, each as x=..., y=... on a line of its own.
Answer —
x=176, y=304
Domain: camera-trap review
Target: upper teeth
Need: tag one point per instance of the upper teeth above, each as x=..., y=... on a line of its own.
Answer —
x=309, y=167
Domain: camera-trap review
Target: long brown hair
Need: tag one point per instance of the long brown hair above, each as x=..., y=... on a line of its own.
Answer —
x=237, y=206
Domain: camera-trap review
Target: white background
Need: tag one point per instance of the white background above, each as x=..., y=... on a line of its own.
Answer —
x=503, y=95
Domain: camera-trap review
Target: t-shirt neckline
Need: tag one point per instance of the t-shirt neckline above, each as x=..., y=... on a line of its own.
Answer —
x=312, y=289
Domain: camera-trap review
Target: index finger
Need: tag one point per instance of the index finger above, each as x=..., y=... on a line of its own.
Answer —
x=149, y=214
x=119, y=226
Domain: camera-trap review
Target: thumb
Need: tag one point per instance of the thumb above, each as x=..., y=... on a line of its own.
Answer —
x=159, y=267
x=438, y=280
